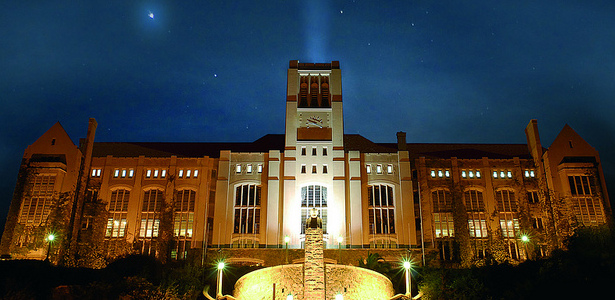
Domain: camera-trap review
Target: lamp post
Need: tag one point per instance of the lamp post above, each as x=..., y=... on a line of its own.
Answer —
x=219, y=285
x=340, y=239
x=49, y=239
x=407, y=268
x=525, y=239
x=286, y=240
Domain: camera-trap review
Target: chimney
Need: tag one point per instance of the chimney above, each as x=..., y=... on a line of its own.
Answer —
x=401, y=141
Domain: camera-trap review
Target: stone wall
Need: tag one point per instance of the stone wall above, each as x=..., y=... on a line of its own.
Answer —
x=353, y=282
x=258, y=285
x=357, y=283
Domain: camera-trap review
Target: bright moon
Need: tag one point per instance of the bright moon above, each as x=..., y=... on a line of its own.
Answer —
x=151, y=15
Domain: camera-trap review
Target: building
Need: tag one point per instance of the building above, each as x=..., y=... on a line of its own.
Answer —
x=462, y=203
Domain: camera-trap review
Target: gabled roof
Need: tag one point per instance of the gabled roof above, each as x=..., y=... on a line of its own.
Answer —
x=352, y=142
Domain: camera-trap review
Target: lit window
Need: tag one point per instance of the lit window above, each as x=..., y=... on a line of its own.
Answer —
x=527, y=173
x=314, y=196
x=249, y=168
x=379, y=169
x=381, y=212
x=532, y=174
x=463, y=173
x=390, y=169
x=495, y=174
x=447, y=174
x=324, y=169
x=188, y=172
x=131, y=173
x=477, y=174
x=501, y=174
x=314, y=151
x=303, y=151
x=93, y=172
x=471, y=173
x=259, y=168
x=196, y=173
x=238, y=168
x=181, y=173
x=433, y=173
x=123, y=173
x=440, y=174
x=302, y=169
x=509, y=174
x=156, y=173
x=314, y=169
x=368, y=169
x=116, y=173
x=148, y=173
x=247, y=209
x=324, y=151
x=164, y=174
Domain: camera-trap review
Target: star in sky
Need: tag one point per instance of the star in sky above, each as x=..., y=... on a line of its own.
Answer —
x=150, y=15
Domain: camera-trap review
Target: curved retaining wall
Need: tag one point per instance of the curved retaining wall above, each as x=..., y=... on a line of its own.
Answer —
x=353, y=282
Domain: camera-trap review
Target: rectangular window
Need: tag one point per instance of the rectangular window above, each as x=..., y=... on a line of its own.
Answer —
x=477, y=224
x=247, y=210
x=324, y=169
x=303, y=151
x=433, y=173
x=368, y=169
x=474, y=200
x=249, y=168
x=463, y=174
x=532, y=197
x=259, y=168
x=506, y=201
x=188, y=173
x=196, y=173
x=314, y=169
x=580, y=185
x=163, y=174
x=379, y=169
x=156, y=173
x=36, y=208
x=509, y=225
x=314, y=151
x=123, y=173
x=238, y=169
x=471, y=173
x=303, y=169
x=443, y=225
x=390, y=169
x=324, y=151
x=131, y=173
x=116, y=173
x=447, y=173
x=442, y=201
x=148, y=173
x=181, y=173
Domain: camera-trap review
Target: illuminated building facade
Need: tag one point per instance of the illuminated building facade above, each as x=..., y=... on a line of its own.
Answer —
x=465, y=202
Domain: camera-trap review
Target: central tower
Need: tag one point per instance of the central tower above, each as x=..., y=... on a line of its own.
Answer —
x=314, y=150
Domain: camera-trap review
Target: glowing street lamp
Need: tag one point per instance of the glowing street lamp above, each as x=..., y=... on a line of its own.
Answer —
x=339, y=297
x=525, y=239
x=289, y=297
x=407, y=268
x=219, y=287
x=49, y=239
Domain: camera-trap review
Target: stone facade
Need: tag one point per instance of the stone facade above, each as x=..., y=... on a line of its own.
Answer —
x=314, y=264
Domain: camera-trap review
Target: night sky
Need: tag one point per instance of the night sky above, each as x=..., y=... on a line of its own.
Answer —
x=443, y=71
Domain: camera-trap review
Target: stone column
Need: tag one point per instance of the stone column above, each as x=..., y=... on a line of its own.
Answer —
x=314, y=283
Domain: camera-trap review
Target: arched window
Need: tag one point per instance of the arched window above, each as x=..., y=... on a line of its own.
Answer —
x=118, y=210
x=381, y=209
x=477, y=221
x=442, y=213
x=150, y=213
x=183, y=220
x=247, y=209
x=314, y=196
